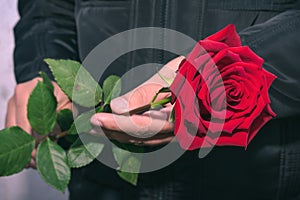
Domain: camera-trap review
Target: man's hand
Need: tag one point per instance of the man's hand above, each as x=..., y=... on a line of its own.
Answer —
x=149, y=128
x=16, y=114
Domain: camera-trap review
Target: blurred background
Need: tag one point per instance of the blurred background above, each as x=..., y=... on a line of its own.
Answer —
x=26, y=185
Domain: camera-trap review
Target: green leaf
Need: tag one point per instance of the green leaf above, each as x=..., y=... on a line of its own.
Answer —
x=161, y=102
x=166, y=79
x=47, y=81
x=65, y=119
x=15, y=150
x=162, y=90
x=129, y=177
x=111, y=88
x=129, y=163
x=82, y=123
x=52, y=164
x=172, y=116
x=42, y=109
x=76, y=82
x=71, y=138
x=83, y=153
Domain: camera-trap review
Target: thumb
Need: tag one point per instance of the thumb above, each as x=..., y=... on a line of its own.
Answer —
x=136, y=98
x=119, y=105
x=143, y=94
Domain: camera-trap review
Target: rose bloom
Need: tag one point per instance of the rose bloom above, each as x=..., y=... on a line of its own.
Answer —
x=220, y=93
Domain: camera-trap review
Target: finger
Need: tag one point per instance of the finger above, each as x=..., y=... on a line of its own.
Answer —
x=10, y=119
x=156, y=142
x=142, y=126
x=21, y=114
x=64, y=105
x=22, y=93
x=32, y=164
x=112, y=135
x=33, y=154
x=172, y=65
x=63, y=102
x=136, y=98
x=143, y=94
x=158, y=139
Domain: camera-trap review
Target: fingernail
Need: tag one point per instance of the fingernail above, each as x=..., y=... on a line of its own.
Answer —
x=119, y=105
x=96, y=121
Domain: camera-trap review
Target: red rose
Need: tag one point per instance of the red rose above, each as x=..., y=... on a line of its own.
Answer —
x=220, y=93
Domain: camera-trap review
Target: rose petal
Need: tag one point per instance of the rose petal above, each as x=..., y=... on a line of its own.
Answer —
x=259, y=107
x=239, y=138
x=227, y=35
x=269, y=78
x=260, y=121
x=212, y=46
x=226, y=57
x=179, y=80
x=197, y=51
x=247, y=55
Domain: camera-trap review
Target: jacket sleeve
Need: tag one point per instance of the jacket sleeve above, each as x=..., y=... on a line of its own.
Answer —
x=46, y=29
x=277, y=41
